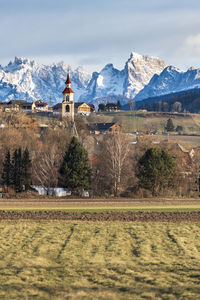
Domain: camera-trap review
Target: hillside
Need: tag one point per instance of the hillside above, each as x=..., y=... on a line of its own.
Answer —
x=189, y=102
x=132, y=121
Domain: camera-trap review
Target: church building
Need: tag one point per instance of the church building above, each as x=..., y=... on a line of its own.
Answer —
x=68, y=101
x=68, y=108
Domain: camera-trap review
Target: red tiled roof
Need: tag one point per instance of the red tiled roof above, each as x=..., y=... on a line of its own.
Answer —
x=68, y=81
x=39, y=103
x=67, y=91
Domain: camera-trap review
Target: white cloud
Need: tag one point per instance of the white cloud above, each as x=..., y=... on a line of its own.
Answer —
x=192, y=44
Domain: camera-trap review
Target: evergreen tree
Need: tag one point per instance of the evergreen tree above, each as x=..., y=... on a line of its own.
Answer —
x=102, y=107
x=169, y=125
x=7, y=170
x=26, y=167
x=119, y=105
x=156, y=170
x=17, y=170
x=75, y=172
x=179, y=128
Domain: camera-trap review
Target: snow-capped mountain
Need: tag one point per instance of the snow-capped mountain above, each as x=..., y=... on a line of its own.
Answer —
x=141, y=78
x=171, y=80
x=27, y=80
x=128, y=82
x=139, y=70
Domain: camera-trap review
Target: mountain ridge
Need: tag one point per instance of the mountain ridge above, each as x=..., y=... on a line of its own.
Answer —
x=141, y=78
x=26, y=79
x=170, y=80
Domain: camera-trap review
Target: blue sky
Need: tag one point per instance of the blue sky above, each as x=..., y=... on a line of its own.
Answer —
x=93, y=33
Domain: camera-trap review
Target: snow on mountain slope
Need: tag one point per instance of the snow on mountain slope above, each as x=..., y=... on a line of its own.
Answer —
x=25, y=79
x=169, y=81
x=109, y=81
x=128, y=82
x=139, y=70
x=142, y=77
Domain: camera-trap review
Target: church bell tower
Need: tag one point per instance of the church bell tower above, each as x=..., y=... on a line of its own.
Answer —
x=68, y=101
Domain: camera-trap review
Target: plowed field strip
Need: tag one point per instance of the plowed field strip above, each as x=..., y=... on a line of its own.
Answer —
x=124, y=216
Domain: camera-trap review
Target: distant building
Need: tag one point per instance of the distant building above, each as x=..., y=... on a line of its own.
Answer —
x=110, y=106
x=83, y=108
x=100, y=128
x=68, y=107
x=17, y=105
x=40, y=106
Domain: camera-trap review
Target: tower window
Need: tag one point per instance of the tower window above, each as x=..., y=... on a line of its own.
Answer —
x=67, y=109
x=67, y=97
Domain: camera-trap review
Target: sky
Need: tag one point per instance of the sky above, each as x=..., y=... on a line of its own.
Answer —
x=92, y=33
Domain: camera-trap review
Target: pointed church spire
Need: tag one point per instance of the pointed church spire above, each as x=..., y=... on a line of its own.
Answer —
x=68, y=89
x=68, y=81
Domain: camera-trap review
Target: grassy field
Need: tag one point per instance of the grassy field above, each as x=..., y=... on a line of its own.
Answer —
x=75, y=260
x=102, y=204
x=145, y=121
x=97, y=209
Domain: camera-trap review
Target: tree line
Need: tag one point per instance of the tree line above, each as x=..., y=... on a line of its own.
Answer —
x=108, y=165
x=155, y=168
x=75, y=172
x=186, y=101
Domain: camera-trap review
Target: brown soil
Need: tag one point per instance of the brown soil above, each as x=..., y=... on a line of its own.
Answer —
x=143, y=216
x=139, y=201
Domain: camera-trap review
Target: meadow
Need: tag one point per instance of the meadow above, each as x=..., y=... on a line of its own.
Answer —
x=99, y=260
x=145, y=121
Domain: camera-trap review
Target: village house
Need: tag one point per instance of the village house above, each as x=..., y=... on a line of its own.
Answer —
x=101, y=128
x=23, y=106
x=40, y=106
x=83, y=108
x=17, y=105
x=110, y=106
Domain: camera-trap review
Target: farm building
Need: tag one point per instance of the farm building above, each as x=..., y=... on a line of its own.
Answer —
x=100, y=128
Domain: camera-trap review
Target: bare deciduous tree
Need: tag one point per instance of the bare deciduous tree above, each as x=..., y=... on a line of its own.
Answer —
x=131, y=104
x=115, y=158
x=176, y=107
x=45, y=168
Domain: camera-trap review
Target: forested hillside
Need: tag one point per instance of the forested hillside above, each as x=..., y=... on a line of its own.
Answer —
x=186, y=101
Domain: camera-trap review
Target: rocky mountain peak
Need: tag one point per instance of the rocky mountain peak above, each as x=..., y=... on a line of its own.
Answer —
x=171, y=80
x=135, y=56
x=143, y=76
